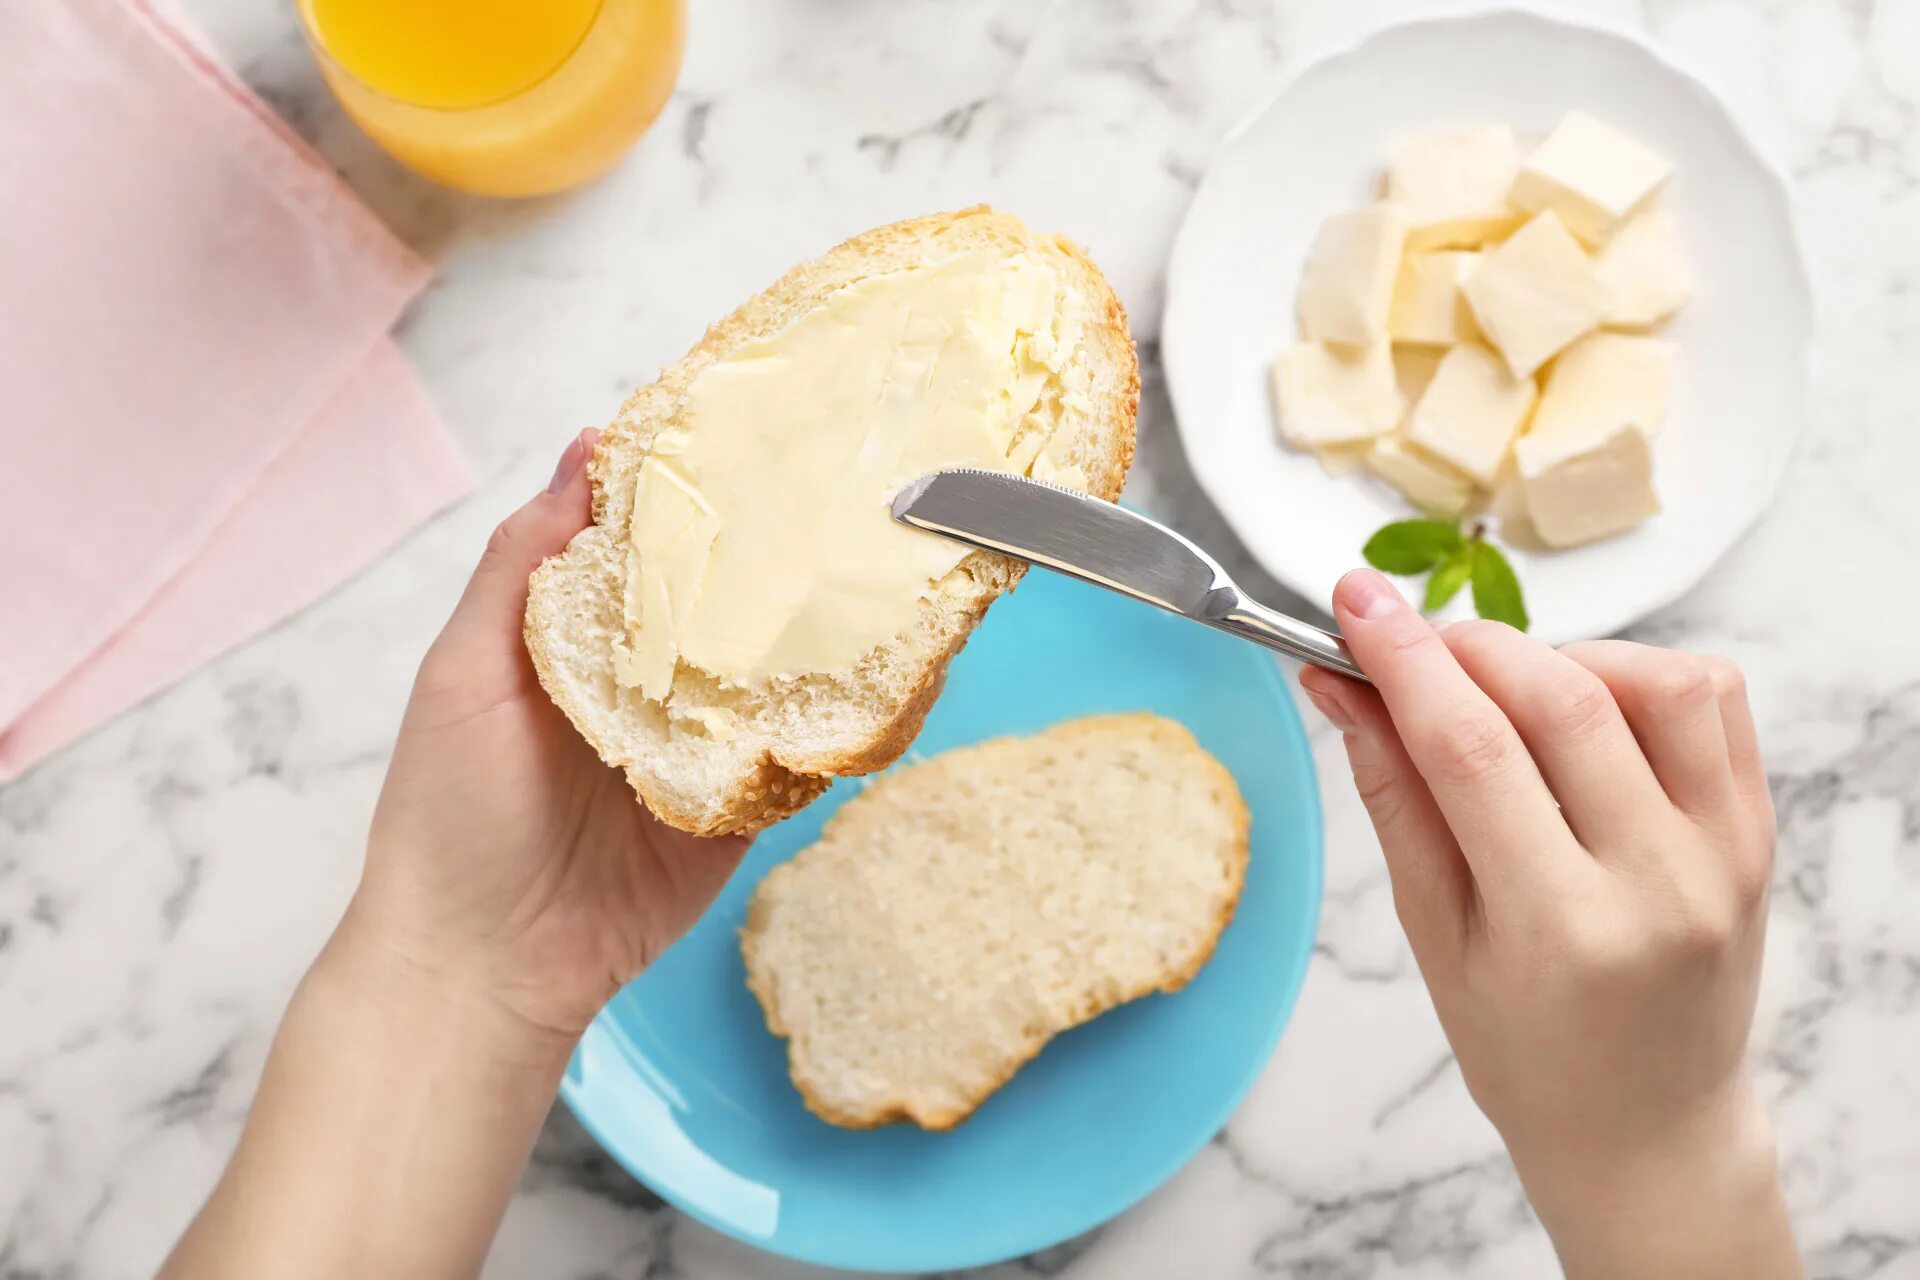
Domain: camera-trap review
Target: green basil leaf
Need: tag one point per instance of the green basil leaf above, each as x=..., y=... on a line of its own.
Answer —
x=1412, y=546
x=1448, y=577
x=1496, y=591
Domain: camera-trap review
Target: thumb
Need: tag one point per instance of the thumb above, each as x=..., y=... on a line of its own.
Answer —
x=486, y=624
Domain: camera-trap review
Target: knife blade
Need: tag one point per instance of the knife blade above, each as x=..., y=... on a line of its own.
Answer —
x=1108, y=546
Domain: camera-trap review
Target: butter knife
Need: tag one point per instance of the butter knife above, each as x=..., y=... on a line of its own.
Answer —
x=1109, y=546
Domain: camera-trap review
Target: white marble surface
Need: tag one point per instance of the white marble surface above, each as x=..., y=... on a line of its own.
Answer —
x=163, y=884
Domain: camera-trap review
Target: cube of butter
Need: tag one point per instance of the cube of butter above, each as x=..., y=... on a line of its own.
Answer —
x=1604, y=382
x=1535, y=293
x=1577, y=491
x=1413, y=369
x=1324, y=394
x=1644, y=268
x=1342, y=460
x=1348, y=282
x=1430, y=484
x=1428, y=307
x=1594, y=177
x=1471, y=411
x=1454, y=187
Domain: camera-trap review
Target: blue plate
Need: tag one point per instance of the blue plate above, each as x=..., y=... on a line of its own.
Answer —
x=680, y=1080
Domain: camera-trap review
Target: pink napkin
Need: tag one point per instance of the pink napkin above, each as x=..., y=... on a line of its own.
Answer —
x=205, y=426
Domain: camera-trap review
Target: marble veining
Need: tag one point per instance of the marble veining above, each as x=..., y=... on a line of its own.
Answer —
x=163, y=885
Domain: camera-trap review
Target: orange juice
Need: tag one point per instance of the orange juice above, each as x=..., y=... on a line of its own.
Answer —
x=501, y=97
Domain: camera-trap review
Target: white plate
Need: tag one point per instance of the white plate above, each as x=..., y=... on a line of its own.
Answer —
x=1320, y=145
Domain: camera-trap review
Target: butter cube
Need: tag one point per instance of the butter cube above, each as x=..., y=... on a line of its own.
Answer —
x=1348, y=282
x=1535, y=293
x=1594, y=177
x=1604, y=382
x=1507, y=500
x=1454, y=187
x=1644, y=268
x=1471, y=411
x=1577, y=491
x=1428, y=307
x=1342, y=460
x=1324, y=394
x=1430, y=484
x=1413, y=369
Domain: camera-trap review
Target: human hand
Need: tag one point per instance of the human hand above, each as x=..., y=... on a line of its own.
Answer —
x=505, y=856
x=1580, y=844
x=513, y=883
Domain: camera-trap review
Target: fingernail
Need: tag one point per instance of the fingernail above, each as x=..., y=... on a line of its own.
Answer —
x=1368, y=595
x=569, y=465
x=1333, y=709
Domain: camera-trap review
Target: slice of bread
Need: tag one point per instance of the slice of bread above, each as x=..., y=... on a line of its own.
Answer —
x=959, y=912
x=788, y=739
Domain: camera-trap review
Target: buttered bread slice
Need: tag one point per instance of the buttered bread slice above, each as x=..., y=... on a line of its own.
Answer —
x=960, y=911
x=744, y=621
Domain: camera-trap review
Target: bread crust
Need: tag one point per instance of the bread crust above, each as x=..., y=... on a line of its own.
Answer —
x=778, y=784
x=1227, y=791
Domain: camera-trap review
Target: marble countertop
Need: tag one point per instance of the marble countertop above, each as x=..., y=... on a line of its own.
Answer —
x=163, y=885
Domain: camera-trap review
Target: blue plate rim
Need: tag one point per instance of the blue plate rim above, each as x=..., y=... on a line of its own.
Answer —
x=577, y=1094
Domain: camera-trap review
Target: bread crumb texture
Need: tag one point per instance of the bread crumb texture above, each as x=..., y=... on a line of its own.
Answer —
x=961, y=911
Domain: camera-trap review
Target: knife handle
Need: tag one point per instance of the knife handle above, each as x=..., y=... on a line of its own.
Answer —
x=1253, y=621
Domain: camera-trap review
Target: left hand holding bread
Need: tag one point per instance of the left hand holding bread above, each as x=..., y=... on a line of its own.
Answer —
x=512, y=885
x=503, y=850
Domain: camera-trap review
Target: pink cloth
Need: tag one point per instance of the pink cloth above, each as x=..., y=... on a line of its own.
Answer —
x=204, y=424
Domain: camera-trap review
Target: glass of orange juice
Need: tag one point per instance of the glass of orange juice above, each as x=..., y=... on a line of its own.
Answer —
x=500, y=97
